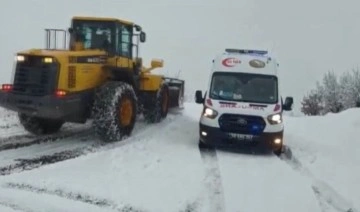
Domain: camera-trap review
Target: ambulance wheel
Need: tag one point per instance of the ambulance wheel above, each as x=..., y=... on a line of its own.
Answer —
x=278, y=151
x=204, y=146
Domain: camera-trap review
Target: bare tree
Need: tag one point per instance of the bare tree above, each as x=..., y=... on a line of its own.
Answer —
x=330, y=92
x=312, y=104
x=347, y=90
x=333, y=94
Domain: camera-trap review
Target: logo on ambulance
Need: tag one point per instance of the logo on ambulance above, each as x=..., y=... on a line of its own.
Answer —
x=257, y=63
x=230, y=62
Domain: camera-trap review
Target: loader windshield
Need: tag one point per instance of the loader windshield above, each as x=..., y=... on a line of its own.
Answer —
x=244, y=87
x=94, y=34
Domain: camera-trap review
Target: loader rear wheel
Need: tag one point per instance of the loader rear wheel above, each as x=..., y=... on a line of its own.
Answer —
x=39, y=126
x=114, y=111
x=158, y=108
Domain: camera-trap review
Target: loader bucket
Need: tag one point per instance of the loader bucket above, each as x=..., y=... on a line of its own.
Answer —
x=176, y=92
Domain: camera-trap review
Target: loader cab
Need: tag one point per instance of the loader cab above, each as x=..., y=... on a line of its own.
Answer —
x=116, y=37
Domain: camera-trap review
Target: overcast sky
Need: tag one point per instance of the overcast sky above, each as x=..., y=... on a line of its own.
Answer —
x=309, y=37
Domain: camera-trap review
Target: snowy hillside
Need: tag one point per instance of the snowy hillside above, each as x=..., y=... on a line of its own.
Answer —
x=165, y=171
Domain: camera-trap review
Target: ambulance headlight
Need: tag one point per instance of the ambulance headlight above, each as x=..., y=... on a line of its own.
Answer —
x=210, y=113
x=275, y=118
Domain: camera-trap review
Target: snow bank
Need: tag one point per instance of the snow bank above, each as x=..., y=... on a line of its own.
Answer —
x=329, y=148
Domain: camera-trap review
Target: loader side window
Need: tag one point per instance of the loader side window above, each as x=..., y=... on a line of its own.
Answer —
x=124, y=43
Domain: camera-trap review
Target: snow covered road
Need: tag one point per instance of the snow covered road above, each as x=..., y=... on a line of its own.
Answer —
x=159, y=168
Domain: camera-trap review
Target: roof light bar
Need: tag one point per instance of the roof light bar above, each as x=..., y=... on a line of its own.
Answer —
x=247, y=51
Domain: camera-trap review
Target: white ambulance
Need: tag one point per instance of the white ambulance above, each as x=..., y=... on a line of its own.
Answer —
x=242, y=104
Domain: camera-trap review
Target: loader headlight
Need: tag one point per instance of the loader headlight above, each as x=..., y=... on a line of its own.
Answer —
x=48, y=60
x=275, y=118
x=210, y=113
x=20, y=58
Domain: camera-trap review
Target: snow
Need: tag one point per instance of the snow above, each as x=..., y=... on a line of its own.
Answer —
x=160, y=168
x=150, y=166
x=163, y=170
x=329, y=149
x=263, y=183
x=29, y=201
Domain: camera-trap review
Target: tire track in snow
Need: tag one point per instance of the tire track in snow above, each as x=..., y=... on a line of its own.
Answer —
x=37, y=162
x=97, y=201
x=20, y=141
x=323, y=191
x=15, y=207
x=213, y=179
x=33, y=163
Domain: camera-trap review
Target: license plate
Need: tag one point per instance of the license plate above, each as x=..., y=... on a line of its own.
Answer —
x=240, y=136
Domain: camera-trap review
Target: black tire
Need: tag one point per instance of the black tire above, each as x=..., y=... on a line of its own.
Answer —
x=39, y=126
x=109, y=123
x=158, y=108
x=279, y=151
x=204, y=146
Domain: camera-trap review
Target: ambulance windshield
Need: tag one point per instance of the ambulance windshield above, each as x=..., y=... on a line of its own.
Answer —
x=244, y=87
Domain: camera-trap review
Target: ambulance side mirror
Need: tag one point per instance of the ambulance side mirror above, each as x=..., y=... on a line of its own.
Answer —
x=199, y=97
x=289, y=101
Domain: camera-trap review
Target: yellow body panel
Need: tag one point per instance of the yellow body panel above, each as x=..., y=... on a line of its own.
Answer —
x=85, y=75
x=120, y=62
x=85, y=18
x=77, y=76
x=61, y=53
x=150, y=82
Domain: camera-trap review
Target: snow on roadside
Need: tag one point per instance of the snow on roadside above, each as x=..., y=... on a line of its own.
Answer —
x=9, y=124
x=8, y=208
x=329, y=148
x=21, y=200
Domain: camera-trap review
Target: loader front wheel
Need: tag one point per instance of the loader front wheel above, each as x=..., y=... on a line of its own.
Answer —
x=157, y=109
x=39, y=126
x=125, y=111
x=114, y=111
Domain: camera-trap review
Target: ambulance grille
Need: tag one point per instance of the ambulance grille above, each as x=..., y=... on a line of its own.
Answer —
x=244, y=124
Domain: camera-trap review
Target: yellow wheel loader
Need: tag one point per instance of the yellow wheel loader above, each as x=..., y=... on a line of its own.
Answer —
x=97, y=74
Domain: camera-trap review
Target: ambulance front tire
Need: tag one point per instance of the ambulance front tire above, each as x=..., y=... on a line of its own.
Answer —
x=278, y=150
x=203, y=145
